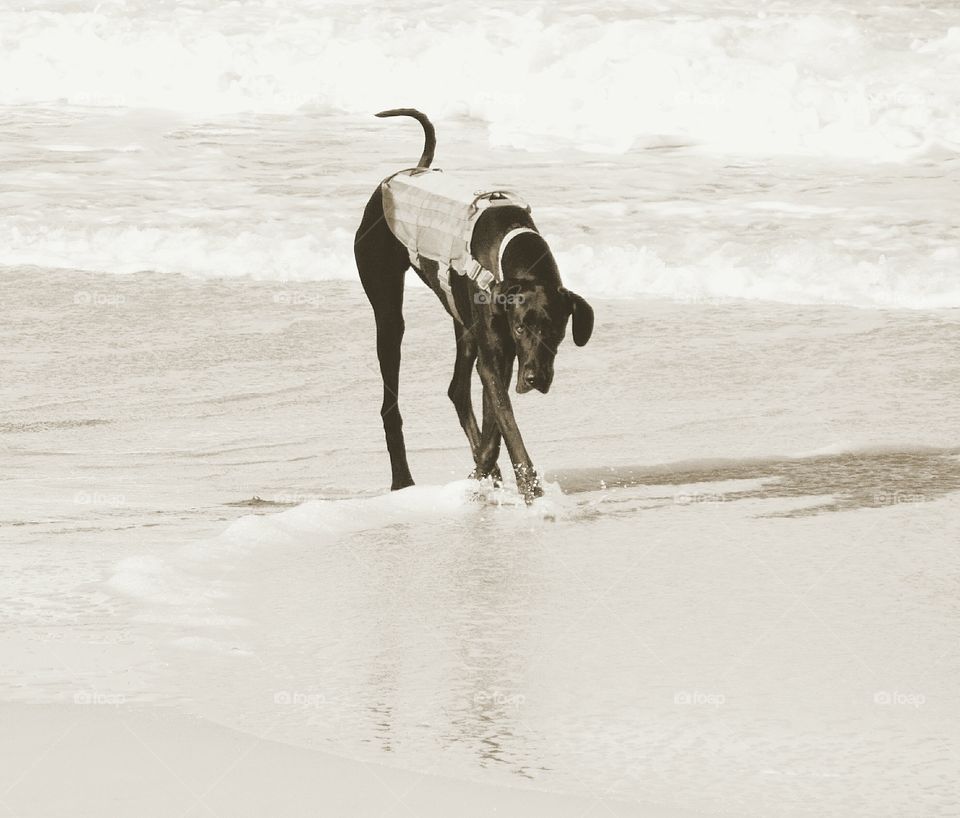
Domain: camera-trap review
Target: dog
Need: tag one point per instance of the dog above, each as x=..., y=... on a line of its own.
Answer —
x=522, y=316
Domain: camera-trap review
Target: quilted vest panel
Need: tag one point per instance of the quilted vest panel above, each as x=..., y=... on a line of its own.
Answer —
x=434, y=214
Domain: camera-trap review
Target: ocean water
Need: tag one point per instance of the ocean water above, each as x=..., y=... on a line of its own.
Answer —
x=669, y=150
x=739, y=594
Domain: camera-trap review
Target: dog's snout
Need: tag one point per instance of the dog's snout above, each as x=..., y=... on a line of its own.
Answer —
x=532, y=378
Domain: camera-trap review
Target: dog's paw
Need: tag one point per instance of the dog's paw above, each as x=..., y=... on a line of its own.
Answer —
x=532, y=493
x=494, y=475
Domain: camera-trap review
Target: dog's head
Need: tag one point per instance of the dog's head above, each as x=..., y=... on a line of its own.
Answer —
x=537, y=318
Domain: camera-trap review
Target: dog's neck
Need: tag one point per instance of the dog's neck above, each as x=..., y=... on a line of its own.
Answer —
x=512, y=234
x=531, y=262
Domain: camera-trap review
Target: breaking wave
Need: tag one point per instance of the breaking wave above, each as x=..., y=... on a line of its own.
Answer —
x=806, y=271
x=858, y=81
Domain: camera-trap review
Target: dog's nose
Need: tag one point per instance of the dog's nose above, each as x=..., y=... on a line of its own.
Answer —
x=529, y=376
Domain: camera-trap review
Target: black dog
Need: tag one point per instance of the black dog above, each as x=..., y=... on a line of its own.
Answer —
x=523, y=315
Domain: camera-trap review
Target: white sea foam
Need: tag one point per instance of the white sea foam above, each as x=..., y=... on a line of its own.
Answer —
x=270, y=251
x=773, y=80
x=807, y=270
x=181, y=590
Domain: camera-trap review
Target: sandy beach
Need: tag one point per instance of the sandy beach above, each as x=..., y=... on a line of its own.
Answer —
x=738, y=595
x=99, y=759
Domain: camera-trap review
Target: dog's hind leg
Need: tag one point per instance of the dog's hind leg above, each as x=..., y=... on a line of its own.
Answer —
x=459, y=391
x=382, y=261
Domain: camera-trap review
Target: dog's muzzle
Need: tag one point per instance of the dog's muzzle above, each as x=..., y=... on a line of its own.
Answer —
x=529, y=378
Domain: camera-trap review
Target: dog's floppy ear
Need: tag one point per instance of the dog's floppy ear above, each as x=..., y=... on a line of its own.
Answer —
x=582, y=314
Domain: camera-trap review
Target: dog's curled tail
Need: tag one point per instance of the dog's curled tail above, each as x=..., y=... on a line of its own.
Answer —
x=429, y=134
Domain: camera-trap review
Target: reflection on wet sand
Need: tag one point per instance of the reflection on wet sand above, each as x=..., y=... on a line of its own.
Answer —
x=489, y=719
x=479, y=712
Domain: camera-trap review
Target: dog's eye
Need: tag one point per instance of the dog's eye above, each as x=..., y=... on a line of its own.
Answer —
x=519, y=330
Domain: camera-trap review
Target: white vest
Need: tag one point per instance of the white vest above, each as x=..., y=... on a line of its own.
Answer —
x=434, y=215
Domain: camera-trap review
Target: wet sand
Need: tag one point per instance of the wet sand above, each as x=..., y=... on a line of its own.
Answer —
x=95, y=760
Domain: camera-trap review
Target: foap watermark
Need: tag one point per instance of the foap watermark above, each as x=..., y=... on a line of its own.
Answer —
x=706, y=300
x=896, y=698
x=83, y=298
x=499, y=698
x=905, y=99
x=299, y=698
x=803, y=772
x=695, y=499
x=500, y=299
x=698, y=698
x=298, y=298
x=296, y=499
x=97, y=697
x=98, y=498
x=98, y=100
x=895, y=498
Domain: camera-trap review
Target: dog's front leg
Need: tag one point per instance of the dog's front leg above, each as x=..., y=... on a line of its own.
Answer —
x=488, y=452
x=495, y=390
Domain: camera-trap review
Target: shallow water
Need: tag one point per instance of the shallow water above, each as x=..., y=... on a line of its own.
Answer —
x=715, y=597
